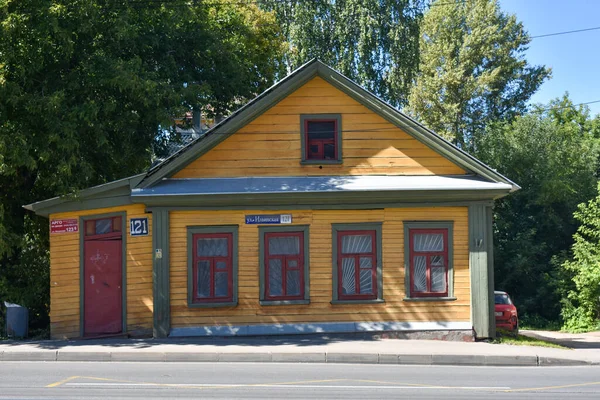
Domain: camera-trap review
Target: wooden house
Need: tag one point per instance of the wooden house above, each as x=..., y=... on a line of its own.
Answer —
x=316, y=207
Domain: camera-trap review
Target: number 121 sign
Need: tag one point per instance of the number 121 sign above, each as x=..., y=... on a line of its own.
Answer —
x=138, y=226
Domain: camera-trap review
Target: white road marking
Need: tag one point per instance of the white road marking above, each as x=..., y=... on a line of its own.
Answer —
x=250, y=385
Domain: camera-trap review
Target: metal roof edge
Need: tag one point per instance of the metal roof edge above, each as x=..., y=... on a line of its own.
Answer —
x=45, y=207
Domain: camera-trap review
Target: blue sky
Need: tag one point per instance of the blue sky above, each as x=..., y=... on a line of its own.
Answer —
x=574, y=58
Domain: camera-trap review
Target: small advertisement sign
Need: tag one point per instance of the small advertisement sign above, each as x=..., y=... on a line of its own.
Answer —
x=269, y=219
x=64, y=225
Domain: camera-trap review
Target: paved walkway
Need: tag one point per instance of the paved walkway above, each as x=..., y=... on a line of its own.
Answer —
x=313, y=348
x=589, y=340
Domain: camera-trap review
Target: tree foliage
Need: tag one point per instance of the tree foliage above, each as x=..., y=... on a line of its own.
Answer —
x=472, y=70
x=84, y=87
x=373, y=42
x=553, y=155
x=581, y=307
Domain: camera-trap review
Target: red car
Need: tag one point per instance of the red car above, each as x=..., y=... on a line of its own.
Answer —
x=506, y=313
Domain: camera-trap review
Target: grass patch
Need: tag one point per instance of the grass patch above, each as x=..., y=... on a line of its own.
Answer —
x=522, y=340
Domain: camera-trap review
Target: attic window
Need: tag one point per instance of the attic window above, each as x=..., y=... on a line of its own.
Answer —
x=321, y=139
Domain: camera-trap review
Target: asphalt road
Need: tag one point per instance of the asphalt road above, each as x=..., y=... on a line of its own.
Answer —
x=71, y=380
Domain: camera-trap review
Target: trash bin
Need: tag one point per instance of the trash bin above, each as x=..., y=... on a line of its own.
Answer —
x=17, y=320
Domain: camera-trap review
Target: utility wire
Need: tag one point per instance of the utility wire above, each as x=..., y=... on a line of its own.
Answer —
x=566, y=32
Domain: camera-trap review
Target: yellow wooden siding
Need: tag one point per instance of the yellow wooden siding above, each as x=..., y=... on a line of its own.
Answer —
x=271, y=146
x=65, y=275
x=320, y=309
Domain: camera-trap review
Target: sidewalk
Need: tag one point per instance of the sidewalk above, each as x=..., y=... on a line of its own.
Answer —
x=309, y=349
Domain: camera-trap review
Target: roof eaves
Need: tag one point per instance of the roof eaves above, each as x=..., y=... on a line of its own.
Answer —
x=45, y=207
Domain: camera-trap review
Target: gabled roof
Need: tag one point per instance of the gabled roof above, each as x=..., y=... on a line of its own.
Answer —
x=138, y=188
x=289, y=84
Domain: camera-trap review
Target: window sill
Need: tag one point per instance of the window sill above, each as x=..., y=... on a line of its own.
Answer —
x=321, y=162
x=429, y=299
x=283, y=302
x=358, y=301
x=212, y=305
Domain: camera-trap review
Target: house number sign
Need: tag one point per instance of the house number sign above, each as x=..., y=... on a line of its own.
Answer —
x=269, y=219
x=138, y=226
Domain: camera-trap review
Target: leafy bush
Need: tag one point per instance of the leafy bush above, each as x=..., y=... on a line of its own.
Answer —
x=581, y=307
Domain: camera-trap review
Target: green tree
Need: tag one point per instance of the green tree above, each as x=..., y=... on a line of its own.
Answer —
x=84, y=87
x=373, y=42
x=581, y=306
x=472, y=70
x=552, y=153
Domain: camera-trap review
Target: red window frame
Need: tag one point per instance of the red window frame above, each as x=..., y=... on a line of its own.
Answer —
x=357, y=269
x=285, y=266
x=428, y=255
x=213, y=260
x=320, y=142
x=116, y=231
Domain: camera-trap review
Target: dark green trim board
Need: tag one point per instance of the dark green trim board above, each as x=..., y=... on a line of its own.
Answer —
x=261, y=254
x=82, y=220
x=320, y=199
x=112, y=194
x=408, y=225
x=191, y=230
x=357, y=206
x=367, y=226
x=481, y=265
x=160, y=274
x=338, y=118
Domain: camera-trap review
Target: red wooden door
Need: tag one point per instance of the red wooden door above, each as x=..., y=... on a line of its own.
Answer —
x=102, y=289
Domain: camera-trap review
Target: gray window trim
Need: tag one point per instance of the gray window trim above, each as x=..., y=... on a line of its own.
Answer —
x=82, y=220
x=366, y=226
x=191, y=230
x=303, y=118
x=408, y=225
x=261, y=254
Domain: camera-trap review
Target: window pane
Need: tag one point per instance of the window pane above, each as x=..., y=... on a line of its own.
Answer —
x=212, y=247
x=329, y=151
x=275, y=278
x=313, y=151
x=286, y=245
x=221, y=284
x=221, y=265
x=293, y=283
x=428, y=242
x=420, y=274
x=103, y=226
x=437, y=261
x=203, y=279
x=292, y=263
x=321, y=130
x=355, y=244
x=348, y=276
x=366, y=262
x=438, y=279
x=366, y=281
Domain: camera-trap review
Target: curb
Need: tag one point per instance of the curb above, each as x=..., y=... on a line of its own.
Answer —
x=324, y=357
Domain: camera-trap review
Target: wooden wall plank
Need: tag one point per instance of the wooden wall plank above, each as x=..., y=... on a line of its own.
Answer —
x=65, y=275
x=271, y=144
x=320, y=309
